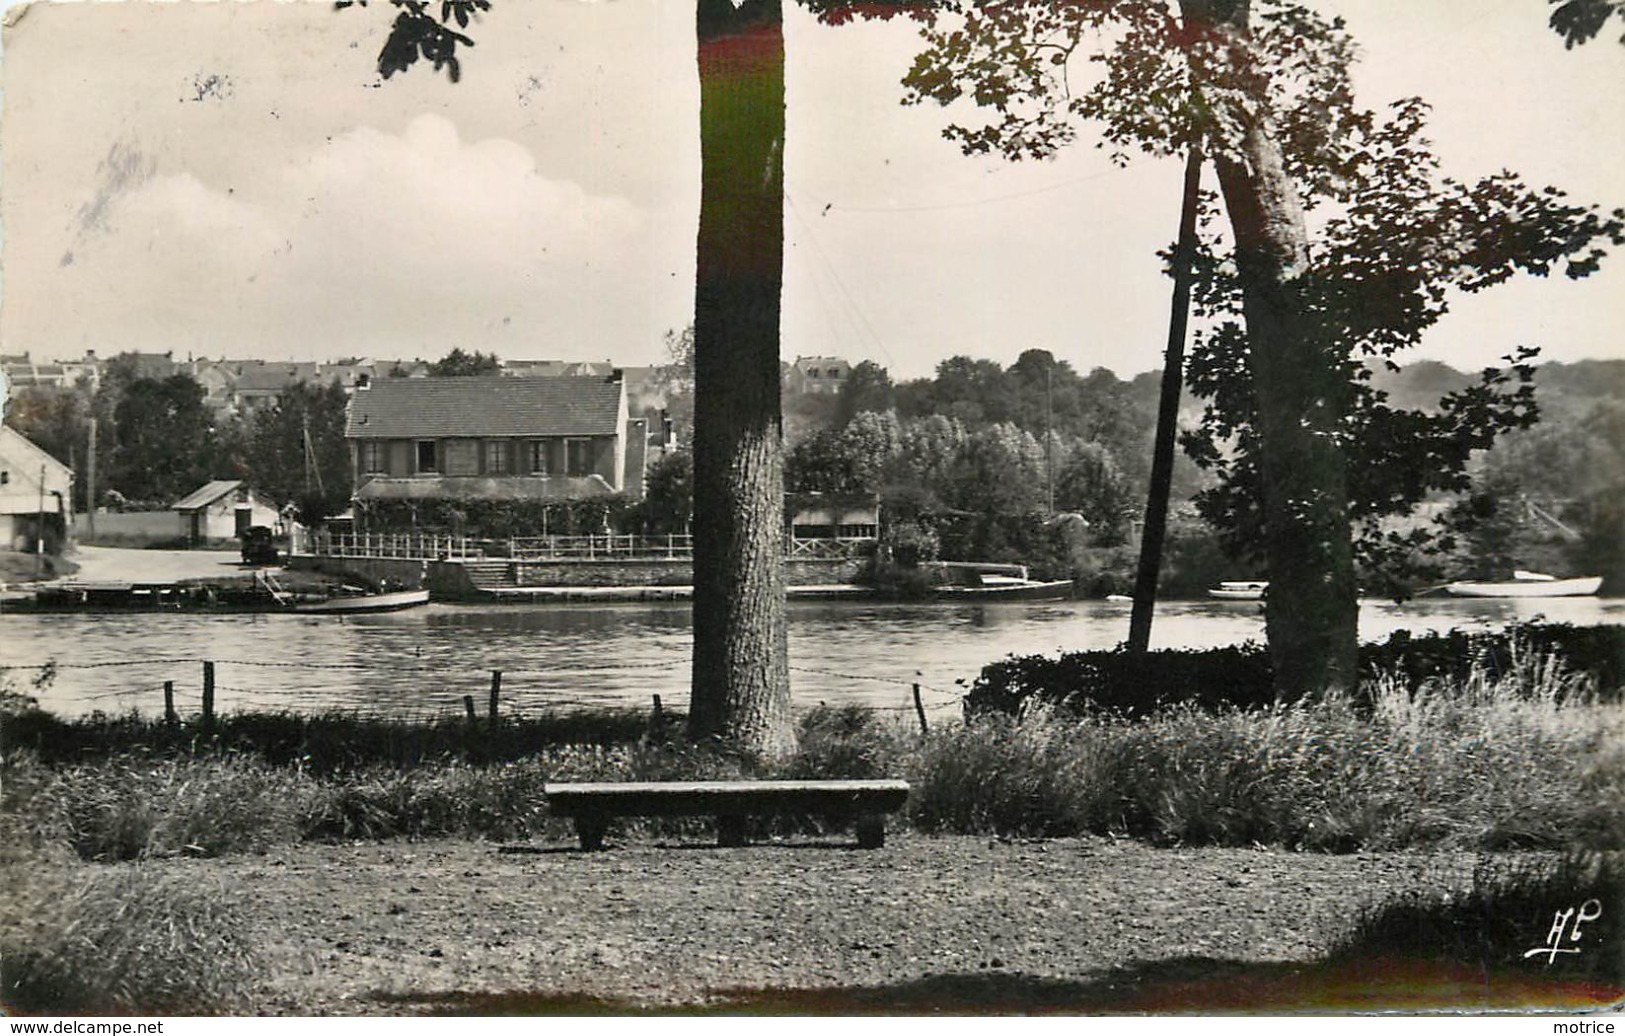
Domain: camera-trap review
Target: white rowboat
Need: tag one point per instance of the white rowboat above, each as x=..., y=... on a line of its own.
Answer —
x=1239, y=590
x=1524, y=586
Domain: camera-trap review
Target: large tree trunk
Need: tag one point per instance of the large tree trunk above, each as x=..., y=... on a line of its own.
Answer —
x=741, y=691
x=1312, y=608
x=1153, y=533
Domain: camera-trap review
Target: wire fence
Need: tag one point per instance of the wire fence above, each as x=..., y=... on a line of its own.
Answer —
x=427, y=691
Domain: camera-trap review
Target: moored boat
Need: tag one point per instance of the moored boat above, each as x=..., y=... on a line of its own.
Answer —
x=1239, y=590
x=390, y=601
x=992, y=581
x=1526, y=584
x=259, y=594
x=1007, y=588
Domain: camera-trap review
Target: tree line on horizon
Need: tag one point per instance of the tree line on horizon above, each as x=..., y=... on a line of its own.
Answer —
x=974, y=461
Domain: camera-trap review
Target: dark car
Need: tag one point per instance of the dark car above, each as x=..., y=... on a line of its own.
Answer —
x=258, y=546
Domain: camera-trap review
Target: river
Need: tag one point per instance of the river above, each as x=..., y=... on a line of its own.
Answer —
x=421, y=662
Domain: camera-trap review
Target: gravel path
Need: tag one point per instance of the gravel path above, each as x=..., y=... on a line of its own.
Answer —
x=926, y=923
x=112, y=564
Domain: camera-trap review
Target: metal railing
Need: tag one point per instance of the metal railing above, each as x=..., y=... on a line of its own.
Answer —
x=403, y=545
x=607, y=546
x=553, y=548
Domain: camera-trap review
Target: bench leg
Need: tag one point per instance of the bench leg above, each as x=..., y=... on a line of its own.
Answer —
x=871, y=831
x=730, y=831
x=591, y=832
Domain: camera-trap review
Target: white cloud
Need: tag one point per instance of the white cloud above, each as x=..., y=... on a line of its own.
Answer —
x=339, y=249
x=429, y=202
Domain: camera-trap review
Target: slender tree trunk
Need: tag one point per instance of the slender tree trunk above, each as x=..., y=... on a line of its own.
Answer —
x=741, y=691
x=1311, y=610
x=1173, y=375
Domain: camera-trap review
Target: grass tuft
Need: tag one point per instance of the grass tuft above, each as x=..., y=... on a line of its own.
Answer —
x=1508, y=919
x=125, y=939
x=1520, y=757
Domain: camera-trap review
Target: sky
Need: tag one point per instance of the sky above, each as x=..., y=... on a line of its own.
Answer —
x=234, y=180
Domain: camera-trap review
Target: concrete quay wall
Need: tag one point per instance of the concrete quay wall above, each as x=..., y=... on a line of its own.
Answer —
x=661, y=572
x=452, y=581
x=445, y=580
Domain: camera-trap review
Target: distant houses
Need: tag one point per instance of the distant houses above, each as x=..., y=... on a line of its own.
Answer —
x=816, y=375
x=22, y=372
x=562, y=437
x=539, y=429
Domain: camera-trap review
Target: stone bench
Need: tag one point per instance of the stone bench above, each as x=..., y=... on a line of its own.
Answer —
x=864, y=804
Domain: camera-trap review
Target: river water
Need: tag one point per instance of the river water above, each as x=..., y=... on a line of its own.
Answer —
x=421, y=662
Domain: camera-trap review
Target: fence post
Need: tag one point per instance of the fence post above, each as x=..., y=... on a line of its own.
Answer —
x=496, y=692
x=919, y=709
x=169, y=701
x=468, y=706
x=208, y=692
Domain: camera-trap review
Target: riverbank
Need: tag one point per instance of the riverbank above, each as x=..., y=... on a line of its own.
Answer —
x=22, y=567
x=327, y=865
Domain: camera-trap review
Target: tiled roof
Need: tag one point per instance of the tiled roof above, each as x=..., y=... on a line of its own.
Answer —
x=556, y=368
x=431, y=408
x=274, y=377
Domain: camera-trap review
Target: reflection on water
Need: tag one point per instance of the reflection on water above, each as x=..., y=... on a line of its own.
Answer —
x=422, y=662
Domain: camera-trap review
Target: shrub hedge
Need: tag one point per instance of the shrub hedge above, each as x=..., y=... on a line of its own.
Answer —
x=1134, y=685
x=326, y=743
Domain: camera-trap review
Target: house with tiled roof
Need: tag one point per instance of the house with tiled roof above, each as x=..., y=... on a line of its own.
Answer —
x=816, y=375
x=517, y=438
x=260, y=385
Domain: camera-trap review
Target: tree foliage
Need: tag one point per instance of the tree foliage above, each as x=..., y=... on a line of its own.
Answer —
x=668, y=497
x=422, y=31
x=296, y=451
x=1580, y=21
x=460, y=364
x=868, y=389
x=498, y=519
x=165, y=444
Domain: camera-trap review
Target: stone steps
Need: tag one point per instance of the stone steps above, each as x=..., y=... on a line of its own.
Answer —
x=490, y=574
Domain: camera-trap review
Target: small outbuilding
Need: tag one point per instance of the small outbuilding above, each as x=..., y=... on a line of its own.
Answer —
x=221, y=511
x=845, y=517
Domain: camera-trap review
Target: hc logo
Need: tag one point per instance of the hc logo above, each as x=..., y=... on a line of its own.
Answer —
x=1590, y=910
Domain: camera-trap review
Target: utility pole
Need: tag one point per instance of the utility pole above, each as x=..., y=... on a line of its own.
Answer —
x=1049, y=434
x=39, y=527
x=90, y=480
x=310, y=459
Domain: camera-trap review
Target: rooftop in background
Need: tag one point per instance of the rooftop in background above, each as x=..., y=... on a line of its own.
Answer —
x=557, y=368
